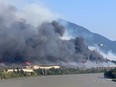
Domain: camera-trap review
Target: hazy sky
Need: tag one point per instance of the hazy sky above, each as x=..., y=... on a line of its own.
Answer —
x=98, y=16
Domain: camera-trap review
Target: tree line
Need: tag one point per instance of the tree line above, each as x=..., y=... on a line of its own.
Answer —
x=61, y=71
x=110, y=74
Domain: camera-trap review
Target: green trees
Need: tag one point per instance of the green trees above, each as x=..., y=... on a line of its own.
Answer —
x=18, y=72
x=110, y=73
x=51, y=71
x=63, y=71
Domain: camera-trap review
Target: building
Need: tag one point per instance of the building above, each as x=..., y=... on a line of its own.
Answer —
x=42, y=67
x=25, y=70
x=31, y=68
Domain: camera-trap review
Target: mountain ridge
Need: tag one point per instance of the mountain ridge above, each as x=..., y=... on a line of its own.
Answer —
x=91, y=39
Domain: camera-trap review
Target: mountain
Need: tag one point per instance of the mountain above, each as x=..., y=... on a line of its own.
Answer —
x=91, y=39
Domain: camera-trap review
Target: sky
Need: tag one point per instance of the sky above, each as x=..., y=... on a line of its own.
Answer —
x=99, y=16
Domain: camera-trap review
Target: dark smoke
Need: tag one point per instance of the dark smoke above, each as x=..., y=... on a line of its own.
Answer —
x=20, y=42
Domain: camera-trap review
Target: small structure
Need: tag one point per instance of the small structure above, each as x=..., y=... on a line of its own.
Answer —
x=31, y=68
x=25, y=70
x=42, y=67
x=49, y=67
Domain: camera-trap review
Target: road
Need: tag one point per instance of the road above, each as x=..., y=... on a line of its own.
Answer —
x=80, y=80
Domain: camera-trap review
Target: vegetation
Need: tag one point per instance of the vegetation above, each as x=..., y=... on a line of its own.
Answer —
x=111, y=74
x=15, y=74
x=62, y=71
x=68, y=71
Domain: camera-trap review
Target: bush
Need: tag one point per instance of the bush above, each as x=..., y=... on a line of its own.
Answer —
x=110, y=73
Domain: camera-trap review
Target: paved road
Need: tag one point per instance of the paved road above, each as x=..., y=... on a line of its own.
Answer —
x=80, y=80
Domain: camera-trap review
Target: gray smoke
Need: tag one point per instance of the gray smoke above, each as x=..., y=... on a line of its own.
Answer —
x=20, y=42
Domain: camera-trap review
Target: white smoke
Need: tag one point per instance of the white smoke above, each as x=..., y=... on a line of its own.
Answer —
x=34, y=13
x=90, y=64
x=109, y=55
x=11, y=2
x=66, y=35
x=37, y=14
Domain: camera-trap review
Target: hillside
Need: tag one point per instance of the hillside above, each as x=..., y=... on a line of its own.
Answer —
x=91, y=39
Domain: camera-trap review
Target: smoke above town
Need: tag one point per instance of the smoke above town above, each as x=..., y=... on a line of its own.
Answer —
x=22, y=41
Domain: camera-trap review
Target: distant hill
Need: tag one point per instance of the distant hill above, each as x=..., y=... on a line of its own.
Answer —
x=91, y=39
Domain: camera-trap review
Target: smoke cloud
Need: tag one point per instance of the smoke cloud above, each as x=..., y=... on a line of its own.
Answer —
x=109, y=55
x=37, y=14
x=21, y=40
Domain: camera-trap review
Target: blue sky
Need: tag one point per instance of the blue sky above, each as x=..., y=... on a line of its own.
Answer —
x=98, y=16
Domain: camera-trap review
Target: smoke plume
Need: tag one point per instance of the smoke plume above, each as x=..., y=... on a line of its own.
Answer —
x=109, y=55
x=21, y=41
